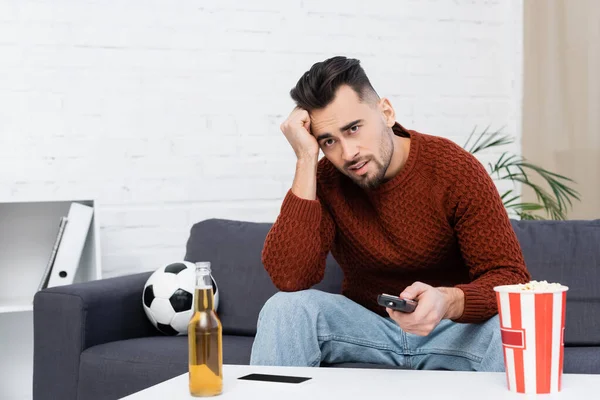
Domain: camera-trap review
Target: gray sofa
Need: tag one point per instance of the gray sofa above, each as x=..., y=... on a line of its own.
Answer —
x=93, y=340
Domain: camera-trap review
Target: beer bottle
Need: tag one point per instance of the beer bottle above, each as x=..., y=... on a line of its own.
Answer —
x=205, y=339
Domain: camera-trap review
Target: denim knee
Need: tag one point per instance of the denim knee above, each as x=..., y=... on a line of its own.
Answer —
x=288, y=304
x=287, y=331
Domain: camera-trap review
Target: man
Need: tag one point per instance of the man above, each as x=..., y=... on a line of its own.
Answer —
x=402, y=213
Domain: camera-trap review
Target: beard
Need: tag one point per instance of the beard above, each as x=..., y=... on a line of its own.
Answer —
x=372, y=180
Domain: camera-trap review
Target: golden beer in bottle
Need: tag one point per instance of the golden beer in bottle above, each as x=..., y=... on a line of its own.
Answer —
x=205, y=336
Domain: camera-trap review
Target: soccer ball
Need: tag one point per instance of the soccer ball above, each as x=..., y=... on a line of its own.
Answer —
x=168, y=297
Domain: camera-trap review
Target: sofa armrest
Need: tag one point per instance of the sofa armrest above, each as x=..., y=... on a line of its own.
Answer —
x=69, y=319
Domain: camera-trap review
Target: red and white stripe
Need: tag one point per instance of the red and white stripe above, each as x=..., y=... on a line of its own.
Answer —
x=532, y=328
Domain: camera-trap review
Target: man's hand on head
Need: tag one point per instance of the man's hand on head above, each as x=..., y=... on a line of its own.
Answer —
x=296, y=129
x=434, y=305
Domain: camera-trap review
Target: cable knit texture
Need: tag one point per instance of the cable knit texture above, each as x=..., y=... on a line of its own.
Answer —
x=440, y=221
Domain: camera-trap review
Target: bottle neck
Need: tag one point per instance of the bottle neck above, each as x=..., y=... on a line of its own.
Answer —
x=204, y=296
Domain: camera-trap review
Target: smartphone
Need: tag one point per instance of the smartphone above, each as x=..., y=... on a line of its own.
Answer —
x=274, y=378
x=396, y=303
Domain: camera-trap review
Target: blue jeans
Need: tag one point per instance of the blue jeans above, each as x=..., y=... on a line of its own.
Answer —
x=311, y=327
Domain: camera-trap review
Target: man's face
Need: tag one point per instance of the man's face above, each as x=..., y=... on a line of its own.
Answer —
x=355, y=136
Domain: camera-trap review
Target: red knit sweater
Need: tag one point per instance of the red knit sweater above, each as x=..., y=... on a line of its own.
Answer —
x=439, y=221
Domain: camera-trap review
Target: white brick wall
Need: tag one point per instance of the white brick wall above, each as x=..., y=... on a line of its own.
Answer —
x=167, y=112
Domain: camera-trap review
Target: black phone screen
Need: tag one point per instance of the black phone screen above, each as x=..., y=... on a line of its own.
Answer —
x=274, y=378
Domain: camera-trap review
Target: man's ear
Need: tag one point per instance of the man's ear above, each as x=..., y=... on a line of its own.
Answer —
x=389, y=115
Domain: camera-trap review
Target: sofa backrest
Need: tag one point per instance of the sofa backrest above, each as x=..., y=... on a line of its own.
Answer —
x=567, y=252
x=234, y=250
x=557, y=251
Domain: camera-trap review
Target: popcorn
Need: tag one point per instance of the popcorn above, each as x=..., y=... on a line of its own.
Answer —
x=541, y=286
x=534, y=286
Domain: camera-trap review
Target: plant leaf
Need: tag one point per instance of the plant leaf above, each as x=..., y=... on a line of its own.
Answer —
x=493, y=140
x=469, y=138
x=510, y=167
x=527, y=206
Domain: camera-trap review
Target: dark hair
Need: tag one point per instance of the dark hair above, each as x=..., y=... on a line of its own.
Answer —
x=317, y=87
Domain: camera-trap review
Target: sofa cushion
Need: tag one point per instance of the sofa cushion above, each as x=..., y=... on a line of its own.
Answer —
x=582, y=360
x=116, y=369
x=234, y=249
x=567, y=252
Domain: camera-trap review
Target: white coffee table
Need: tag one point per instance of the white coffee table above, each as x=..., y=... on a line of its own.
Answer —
x=353, y=383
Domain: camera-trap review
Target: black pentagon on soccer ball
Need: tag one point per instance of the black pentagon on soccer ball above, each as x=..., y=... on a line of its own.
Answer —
x=148, y=295
x=181, y=300
x=175, y=268
x=166, y=329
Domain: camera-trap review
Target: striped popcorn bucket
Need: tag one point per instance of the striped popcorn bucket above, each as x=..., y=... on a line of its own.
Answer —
x=532, y=324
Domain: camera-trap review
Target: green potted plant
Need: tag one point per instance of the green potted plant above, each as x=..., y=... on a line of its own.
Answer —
x=550, y=204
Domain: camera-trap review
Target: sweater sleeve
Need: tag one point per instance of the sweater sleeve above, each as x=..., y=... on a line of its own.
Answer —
x=487, y=241
x=296, y=247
